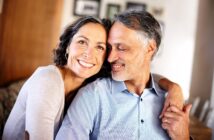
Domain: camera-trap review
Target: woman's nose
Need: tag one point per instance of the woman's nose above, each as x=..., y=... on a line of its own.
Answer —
x=89, y=52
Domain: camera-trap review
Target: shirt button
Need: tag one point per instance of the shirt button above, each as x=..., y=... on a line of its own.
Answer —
x=142, y=121
x=141, y=99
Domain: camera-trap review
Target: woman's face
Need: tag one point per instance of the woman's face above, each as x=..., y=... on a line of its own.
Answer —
x=87, y=50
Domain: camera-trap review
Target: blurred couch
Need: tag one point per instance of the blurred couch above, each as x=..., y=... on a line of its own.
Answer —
x=8, y=97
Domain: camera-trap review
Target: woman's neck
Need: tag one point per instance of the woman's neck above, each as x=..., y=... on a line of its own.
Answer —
x=71, y=81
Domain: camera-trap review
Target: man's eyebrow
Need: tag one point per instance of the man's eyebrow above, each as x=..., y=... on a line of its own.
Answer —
x=116, y=44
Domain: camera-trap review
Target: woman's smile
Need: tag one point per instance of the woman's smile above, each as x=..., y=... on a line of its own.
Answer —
x=85, y=64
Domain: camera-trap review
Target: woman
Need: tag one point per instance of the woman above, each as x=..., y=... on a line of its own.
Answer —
x=79, y=58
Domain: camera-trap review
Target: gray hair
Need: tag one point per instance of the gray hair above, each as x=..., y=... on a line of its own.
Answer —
x=143, y=22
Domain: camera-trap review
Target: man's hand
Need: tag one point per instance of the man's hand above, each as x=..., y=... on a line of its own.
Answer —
x=176, y=122
x=175, y=94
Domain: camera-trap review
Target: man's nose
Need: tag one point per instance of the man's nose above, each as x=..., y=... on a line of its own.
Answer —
x=112, y=56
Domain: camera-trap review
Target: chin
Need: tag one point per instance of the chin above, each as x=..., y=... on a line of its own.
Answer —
x=86, y=75
x=118, y=77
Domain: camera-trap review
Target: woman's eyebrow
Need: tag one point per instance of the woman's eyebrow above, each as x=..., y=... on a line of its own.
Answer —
x=101, y=43
x=81, y=36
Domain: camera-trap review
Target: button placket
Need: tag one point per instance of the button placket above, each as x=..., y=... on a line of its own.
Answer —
x=141, y=111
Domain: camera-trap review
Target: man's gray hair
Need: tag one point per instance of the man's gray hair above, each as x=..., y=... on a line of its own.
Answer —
x=143, y=22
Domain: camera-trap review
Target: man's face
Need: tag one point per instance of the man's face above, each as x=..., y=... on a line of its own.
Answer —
x=128, y=55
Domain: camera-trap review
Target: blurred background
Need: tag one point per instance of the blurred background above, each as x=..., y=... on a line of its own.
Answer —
x=29, y=30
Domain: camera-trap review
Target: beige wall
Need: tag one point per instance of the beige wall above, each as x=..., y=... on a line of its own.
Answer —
x=176, y=57
x=203, y=66
x=68, y=17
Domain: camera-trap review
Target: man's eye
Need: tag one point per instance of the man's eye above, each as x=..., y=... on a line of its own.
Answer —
x=120, y=48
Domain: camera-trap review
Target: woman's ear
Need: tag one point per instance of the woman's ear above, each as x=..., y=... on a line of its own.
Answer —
x=66, y=53
x=67, y=50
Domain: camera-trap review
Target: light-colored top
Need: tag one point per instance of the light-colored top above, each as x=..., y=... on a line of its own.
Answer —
x=106, y=110
x=38, y=108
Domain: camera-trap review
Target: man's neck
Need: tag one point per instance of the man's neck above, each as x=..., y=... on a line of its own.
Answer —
x=138, y=85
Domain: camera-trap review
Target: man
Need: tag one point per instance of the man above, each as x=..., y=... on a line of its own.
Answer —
x=126, y=107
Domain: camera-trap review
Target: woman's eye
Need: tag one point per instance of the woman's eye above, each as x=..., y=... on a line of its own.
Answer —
x=81, y=42
x=101, y=48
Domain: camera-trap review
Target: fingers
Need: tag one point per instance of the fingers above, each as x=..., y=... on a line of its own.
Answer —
x=176, y=122
x=175, y=109
x=167, y=120
x=170, y=123
x=179, y=105
x=171, y=108
x=166, y=105
x=170, y=130
x=167, y=126
x=171, y=115
x=187, y=108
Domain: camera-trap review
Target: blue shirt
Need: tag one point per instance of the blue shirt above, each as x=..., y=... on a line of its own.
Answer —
x=106, y=110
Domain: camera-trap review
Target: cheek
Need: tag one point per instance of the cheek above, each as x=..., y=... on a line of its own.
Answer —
x=71, y=55
x=101, y=58
x=74, y=50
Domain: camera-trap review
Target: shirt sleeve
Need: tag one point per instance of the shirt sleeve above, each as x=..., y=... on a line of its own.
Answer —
x=42, y=106
x=80, y=117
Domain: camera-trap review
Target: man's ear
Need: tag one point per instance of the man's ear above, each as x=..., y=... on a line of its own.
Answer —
x=151, y=48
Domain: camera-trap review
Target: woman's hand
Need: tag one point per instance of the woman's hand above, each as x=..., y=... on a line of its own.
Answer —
x=174, y=97
x=176, y=122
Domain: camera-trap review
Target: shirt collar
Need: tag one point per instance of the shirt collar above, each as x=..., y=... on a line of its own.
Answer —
x=120, y=86
x=154, y=86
